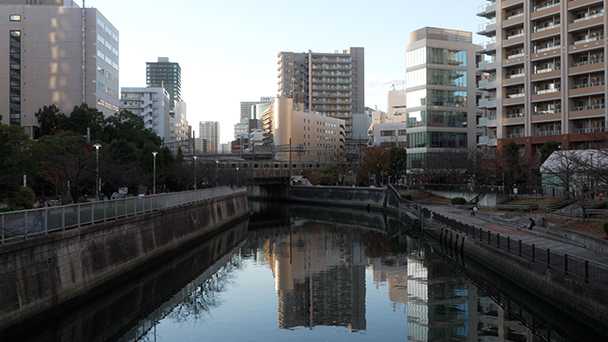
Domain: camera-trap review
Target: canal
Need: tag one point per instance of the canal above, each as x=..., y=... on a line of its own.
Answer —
x=303, y=273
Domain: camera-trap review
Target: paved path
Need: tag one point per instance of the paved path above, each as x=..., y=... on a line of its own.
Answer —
x=535, y=236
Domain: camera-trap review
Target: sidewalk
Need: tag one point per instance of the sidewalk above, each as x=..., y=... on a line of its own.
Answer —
x=535, y=236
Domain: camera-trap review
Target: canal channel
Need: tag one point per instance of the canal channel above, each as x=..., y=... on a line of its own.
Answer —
x=302, y=273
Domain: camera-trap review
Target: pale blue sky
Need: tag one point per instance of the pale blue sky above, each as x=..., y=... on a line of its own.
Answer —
x=227, y=49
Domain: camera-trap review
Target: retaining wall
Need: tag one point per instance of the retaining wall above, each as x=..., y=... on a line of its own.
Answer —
x=338, y=195
x=42, y=277
x=584, y=301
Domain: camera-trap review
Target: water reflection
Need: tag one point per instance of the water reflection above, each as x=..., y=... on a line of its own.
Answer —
x=306, y=273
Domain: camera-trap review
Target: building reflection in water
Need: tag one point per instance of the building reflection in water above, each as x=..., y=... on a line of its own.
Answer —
x=320, y=275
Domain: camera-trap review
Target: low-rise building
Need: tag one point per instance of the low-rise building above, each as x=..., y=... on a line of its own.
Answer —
x=312, y=136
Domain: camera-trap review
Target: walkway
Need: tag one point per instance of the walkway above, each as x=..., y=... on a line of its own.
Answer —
x=538, y=237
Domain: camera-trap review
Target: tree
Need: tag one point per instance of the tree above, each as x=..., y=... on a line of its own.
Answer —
x=375, y=161
x=14, y=158
x=548, y=148
x=69, y=162
x=398, y=162
x=130, y=127
x=49, y=119
x=83, y=117
x=515, y=170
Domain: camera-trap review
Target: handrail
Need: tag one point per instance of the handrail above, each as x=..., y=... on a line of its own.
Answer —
x=25, y=224
x=587, y=270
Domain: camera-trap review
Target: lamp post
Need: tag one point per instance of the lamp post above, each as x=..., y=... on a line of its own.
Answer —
x=195, y=171
x=216, y=166
x=237, y=177
x=97, y=185
x=154, y=177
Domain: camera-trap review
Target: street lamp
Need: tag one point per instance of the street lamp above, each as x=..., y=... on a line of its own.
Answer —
x=216, y=166
x=195, y=172
x=154, y=179
x=237, y=177
x=97, y=185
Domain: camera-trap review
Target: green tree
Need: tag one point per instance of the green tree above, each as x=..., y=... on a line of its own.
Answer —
x=14, y=158
x=548, y=148
x=130, y=127
x=83, y=117
x=23, y=198
x=49, y=119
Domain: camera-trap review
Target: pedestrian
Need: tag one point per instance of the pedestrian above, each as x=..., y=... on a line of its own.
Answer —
x=432, y=215
x=475, y=209
x=531, y=223
x=472, y=212
x=41, y=203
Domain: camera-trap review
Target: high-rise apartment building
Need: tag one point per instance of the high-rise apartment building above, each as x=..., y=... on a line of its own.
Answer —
x=167, y=75
x=543, y=71
x=210, y=131
x=152, y=104
x=329, y=83
x=440, y=97
x=48, y=58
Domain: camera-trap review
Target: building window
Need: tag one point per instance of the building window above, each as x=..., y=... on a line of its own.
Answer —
x=15, y=17
x=15, y=78
x=387, y=133
x=402, y=132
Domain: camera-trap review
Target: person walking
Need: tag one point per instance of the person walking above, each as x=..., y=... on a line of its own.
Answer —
x=531, y=224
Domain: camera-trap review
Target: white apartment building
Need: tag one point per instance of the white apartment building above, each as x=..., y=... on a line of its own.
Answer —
x=47, y=59
x=152, y=104
x=210, y=131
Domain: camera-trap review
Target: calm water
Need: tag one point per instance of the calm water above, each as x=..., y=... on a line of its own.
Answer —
x=313, y=274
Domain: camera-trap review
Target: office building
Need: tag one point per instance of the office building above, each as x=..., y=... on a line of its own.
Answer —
x=440, y=97
x=319, y=137
x=152, y=104
x=168, y=75
x=332, y=84
x=180, y=130
x=543, y=71
x=254, y=109
x=49, y=59
x=210, y=131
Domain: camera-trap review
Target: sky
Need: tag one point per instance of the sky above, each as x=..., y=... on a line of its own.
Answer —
x=227, y=49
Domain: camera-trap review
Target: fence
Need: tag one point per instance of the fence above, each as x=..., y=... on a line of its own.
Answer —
x=584, y=269
x=24, y=224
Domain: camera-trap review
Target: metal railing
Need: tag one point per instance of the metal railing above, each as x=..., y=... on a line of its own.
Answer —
x=26, y=224
x=584, y=269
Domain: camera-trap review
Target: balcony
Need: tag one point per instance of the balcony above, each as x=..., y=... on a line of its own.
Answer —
x=587, y=85
x=588, y=62
x=547, y=5
x=548, y=132
x=547, y=91
x=547, y=112
x=515, y=135
x=589, y=16
x=487, y=10
x=591, y=38
x=590, y=130
x=515, y=115
x=588, y=107
x=546, y=10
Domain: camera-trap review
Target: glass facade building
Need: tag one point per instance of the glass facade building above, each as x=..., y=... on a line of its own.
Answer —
x=440, y=93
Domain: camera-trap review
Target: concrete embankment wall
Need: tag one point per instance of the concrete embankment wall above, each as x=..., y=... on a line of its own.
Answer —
x=572, y=295
x=42, y=277
x=334, y=195
x=487, y=200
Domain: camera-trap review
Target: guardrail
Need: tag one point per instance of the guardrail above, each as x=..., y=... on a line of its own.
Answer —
x=25, y=224
x=587, y=270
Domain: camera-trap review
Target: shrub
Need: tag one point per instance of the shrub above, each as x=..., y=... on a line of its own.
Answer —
x=407, y=197
x=606, y=228
x=458, y=201
x=24, y=198
x=599, y=206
